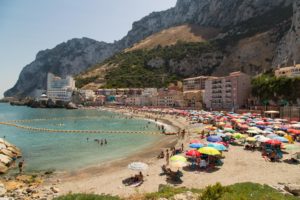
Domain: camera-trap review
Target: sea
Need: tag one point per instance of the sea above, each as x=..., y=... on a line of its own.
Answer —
x=43, y=151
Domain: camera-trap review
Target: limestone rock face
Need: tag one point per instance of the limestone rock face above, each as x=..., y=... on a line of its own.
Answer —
x=289, y=48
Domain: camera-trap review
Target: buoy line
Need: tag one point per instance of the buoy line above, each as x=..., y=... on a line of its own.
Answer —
x=75, y=131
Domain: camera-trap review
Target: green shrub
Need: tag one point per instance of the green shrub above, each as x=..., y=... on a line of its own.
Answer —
x=214, y=192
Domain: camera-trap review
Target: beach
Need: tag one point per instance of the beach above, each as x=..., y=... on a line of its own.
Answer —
x=239, y=166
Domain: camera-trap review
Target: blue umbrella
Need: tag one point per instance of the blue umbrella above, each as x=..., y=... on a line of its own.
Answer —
x=272, y=136
x=219, y=147
x=196, y=145
x=281, y=139
x=214, y=138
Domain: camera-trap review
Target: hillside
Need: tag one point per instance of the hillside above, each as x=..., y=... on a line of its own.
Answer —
x=254, y=36
x=249, y=46
x=170, y=36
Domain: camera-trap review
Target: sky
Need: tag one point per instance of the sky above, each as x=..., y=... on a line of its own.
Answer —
x=28, y=26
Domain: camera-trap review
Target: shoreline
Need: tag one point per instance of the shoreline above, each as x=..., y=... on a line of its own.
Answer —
x=72, y=181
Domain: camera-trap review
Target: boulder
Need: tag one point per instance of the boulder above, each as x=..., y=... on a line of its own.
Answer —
x=5, y=159
x=6, y=152
x=292, y=188
x=186, y=196
x=3, y=168
x=2, y=189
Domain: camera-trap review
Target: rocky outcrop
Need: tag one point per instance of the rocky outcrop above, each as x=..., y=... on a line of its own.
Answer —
x=289, y=49
x=8, y=153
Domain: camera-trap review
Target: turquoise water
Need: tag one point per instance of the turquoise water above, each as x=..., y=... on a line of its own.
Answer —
x=65, y=151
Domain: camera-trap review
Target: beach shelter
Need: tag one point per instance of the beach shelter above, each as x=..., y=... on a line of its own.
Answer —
x=209, y=151
x=250, y=139
x=195, y=141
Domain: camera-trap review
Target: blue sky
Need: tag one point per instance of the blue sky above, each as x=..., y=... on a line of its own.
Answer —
x=27, y=26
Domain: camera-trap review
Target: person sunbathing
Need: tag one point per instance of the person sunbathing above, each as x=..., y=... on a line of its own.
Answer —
x=161, y=155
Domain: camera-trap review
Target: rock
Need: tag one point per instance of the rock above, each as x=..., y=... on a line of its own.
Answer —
x=13, y=185
x=5, y=159
x=54, y=189
x=186, y=196
x=292, y=188
x=3, y=168
x=2, y=189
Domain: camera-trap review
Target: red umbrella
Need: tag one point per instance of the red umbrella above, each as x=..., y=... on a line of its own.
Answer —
x=273, y=142
x=193, y=153
x=195, y=142
x=223, y=143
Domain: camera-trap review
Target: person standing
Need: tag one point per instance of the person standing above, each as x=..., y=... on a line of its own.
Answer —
x=21, y=166
x=167, y=157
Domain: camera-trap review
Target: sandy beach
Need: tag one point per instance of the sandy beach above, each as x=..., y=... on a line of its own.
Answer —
x=239, y=166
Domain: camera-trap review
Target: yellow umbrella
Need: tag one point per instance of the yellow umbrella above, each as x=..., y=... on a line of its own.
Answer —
x=250, y=139
x=178, y=158
x=209, y=151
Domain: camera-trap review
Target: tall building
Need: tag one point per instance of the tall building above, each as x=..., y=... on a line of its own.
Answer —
x=59, y=89
x=230, y=92
x=195, y=83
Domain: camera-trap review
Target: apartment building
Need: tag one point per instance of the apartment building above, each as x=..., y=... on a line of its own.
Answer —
x=290, y=72
x=230, y=92
x=195, y=83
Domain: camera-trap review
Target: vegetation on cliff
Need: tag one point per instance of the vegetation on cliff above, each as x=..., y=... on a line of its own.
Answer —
x=135, y=69
x=282, y=89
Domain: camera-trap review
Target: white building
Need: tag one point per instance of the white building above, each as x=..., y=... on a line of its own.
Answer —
x=59, y=89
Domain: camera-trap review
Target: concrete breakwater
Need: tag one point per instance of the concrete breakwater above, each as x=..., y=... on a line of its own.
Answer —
x=8, y=154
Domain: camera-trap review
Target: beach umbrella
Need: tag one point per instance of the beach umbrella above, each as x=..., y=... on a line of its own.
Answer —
x=230, y=130
x=178, y=158
x=223, y=143
x=272, y=135
x=291, y=147
x=273, y=142
x=238, y=135
x=138, y=166
x=228, y=134
x=196, y=145
x=280, y=132
x=221, y=135
x=193, y=153
x=195, y=141
x=281, y=139
x=214, y=138
x=219, y=147
x=252, y=132
x=209, y=151
x=250, y=139
x=177, y=164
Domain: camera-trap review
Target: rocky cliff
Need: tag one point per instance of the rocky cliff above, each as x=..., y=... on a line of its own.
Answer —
x=235, y=18
x=69, y=58
x=288, y=50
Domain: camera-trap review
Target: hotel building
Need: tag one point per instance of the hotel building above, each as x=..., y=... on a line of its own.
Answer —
x=230, y=92
x=196, y=83
x=59, y=89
